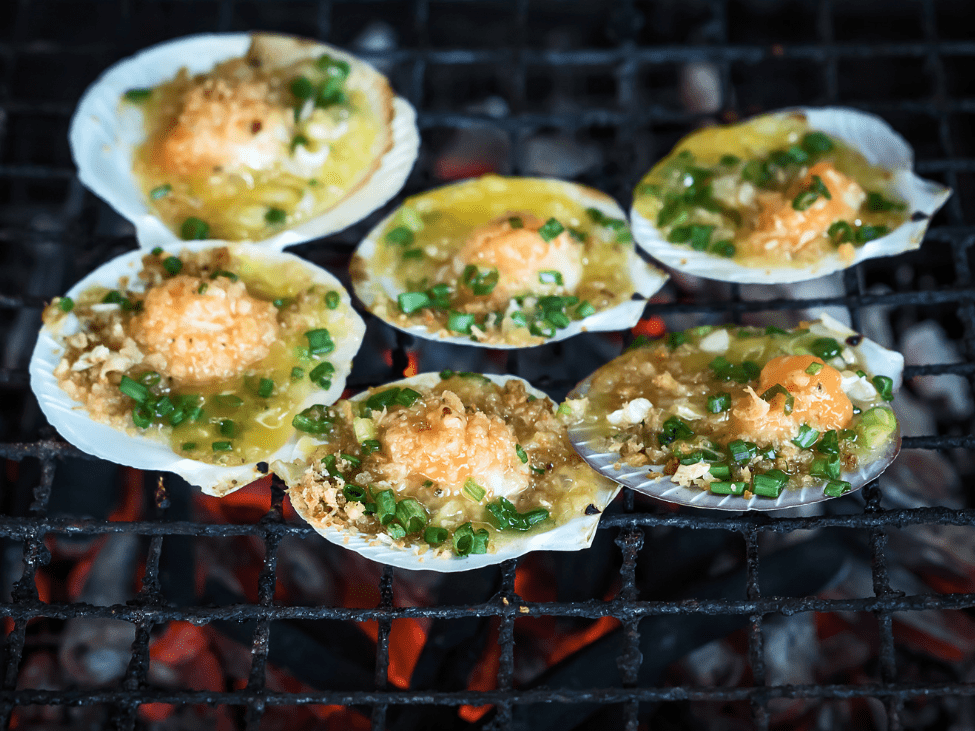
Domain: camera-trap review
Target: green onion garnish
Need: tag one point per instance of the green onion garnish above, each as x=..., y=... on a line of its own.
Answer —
x=141, y=417
x=435, y=535
x=829, y=444
x=173, y=264
x=187, y=446
x=721, y=487
x=474, y=491
x=769, y=484
x=413, y=254
x=885, y=387
x=480, y=283
x=385, y=506
x=720, y=471
x=516, y=222
x=134, y=390
x=550, y=276
x=674, y=429
x=313, y=420
x=297, y=373
x=302, y=88
x=275, y=216
x=724, y=248
x=584, y=310
x=807, y=437
x=840, y=231
x=825, y=348
x=460, y=322
x=835, y=488
x=321, y=374
x=228, y=400
x=228, y=428
x=224, y=273
x=401, y=236
x=265, y=388
x=163, y=406
x=332, y=299
x=816, y=142
x=777, y=389
x=410, y=302
x=729, y=160
x=814, y=368
x=379, y=401
x=137, y=96
x=194, y=229
x=719, y=402
x=160, y=191
x=354, y=493
x=319, y=342
x=827, y=467
x=65, y=304
x=222, y=446
x=876, y=202
x=869, y=233
x=522, y=455
x=411, y=515
x=551, y=229
x=742, y=451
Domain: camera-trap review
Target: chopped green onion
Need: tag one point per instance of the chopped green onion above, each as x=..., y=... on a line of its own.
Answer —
x=578, y=235
x=319, y=342
x=701, y=237
x=877, y=425
x=297, y=373
x=401, y=236
x=876, y=202
x=137, y=96
x=411, y=515
x=406, y=397
x=187, y=446
x=194, y=229
x=721, y=487
x=134, y=390
x=435, y=535
x=550, y=276
x=769, y=484
x=814, y=368
x=173, y=264
x=313, y=420
x=369, y=446
x=265, y=388
x=584, y=310
x=816, y=142
x=798, y=155
x=222, y=446
x=354, y=493
x=382, y=399
x=321, y=375
x=777, y=389
x=464, y=539
x=885, y=387
x=413, y=254
x=835, y=488
x=439, y=295
x=757, y=172
x=163, y=406
x=869, y=233
x=840, y=231
x=720, y=471
x=160, y=191
x=302, y=87
x=516, y=222
x=228, y=400
x=742, y=451
x=817, y=189
x=385, y=506
x=228, y=428
x=674, y=429
x=724, y=248
x=480, y=283
x=825, y=348
x=410, y=302
x=829, y=444
x=142, y=417
x=202, y=288
x=274, y=216
x=150, y=378
x=807, y=437
x=351, y=459
x=729, y=161
x=479, y=541
x=332, y=299
x=826, y=467
x=676, y=339
x=474, y=491
x=460, y=322
x=536, y=470
x=719, y=402
x=522, y=455
x=224, y=273
x=550, y=229
x=65, y=304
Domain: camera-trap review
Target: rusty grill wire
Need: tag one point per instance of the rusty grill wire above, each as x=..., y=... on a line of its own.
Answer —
x=910, y=62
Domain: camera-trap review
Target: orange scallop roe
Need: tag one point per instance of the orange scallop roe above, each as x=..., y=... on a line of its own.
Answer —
x=819, y=401
x=224, y=126
x=452, y=445
x=781, y=229
x=205, y=337
x=519, y=254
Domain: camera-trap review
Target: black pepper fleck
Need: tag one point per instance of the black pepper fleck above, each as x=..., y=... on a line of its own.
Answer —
x=592, y=510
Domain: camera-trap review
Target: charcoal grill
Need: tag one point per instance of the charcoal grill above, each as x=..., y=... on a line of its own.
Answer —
x=491, y=79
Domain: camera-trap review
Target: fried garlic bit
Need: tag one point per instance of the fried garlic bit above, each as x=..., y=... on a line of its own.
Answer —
x=819, y=401
x=512, y=245
x=780, y=227
x=225, y=126
x=205, y=333
x=450, y=445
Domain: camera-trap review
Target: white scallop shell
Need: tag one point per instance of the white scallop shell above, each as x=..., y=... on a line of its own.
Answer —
x=646, y=278
x=105, y=133
x=880, y=145
x=573, y=535
x=143, y=452
x=650, y=481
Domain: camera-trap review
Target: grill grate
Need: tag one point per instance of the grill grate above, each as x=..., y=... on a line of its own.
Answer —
x=606, y=77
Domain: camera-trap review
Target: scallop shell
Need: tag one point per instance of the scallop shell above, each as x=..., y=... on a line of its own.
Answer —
x=880, y=145
x=651, y=481
x=573, y=535
x=647, y=279
x=104, y=134
x=143, y=452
